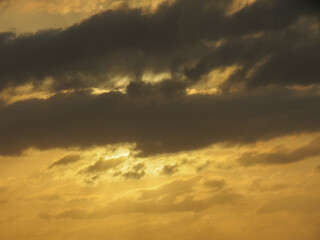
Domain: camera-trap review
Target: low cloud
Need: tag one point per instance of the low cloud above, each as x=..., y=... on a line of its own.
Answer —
x=159, y=124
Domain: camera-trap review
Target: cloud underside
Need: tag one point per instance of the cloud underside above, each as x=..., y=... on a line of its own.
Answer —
x=274, y=41
x=155, y=122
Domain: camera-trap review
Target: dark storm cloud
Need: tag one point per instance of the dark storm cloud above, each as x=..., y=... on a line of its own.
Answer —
x=156, y=123
x=66, y=160
x=128, y=42
x=312, y=149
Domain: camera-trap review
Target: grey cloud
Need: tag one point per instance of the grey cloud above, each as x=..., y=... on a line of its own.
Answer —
x=121, y=42
x=157, y=124
x=128, y=42
x=282, y=157
x=287, y=57
x=65, y=160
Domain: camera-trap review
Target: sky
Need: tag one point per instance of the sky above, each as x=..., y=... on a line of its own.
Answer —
x=159, y=119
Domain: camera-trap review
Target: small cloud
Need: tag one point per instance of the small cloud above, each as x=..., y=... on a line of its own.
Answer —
x=104, y=165
x=317, y=168
x=216, y=184
x=45, y=216
x=136, y=172
x=65, y=160
x=169, y=169
x=50, y=197
x=261, y=186
x=92, y=180
x=203, y=166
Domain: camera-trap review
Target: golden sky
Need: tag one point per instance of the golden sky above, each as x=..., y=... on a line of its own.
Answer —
x=185, y=119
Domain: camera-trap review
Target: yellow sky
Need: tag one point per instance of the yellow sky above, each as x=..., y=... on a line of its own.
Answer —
x=195, y=194
x=266, y=189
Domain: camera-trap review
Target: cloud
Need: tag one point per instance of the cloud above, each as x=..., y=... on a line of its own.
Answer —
x=262, y=186
x=312, y=149
x=203, y=166
x=317, y=168
x=128, y=43
x=155, y=123
x=103, y=165
x=176, y=196
x=280, y=57
x=65, y=160
x=215, y=184
x=170, y=190
x=3, y=202
x=136, y=172
x=4, y=4
x=169, y=169
x=294, y=203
